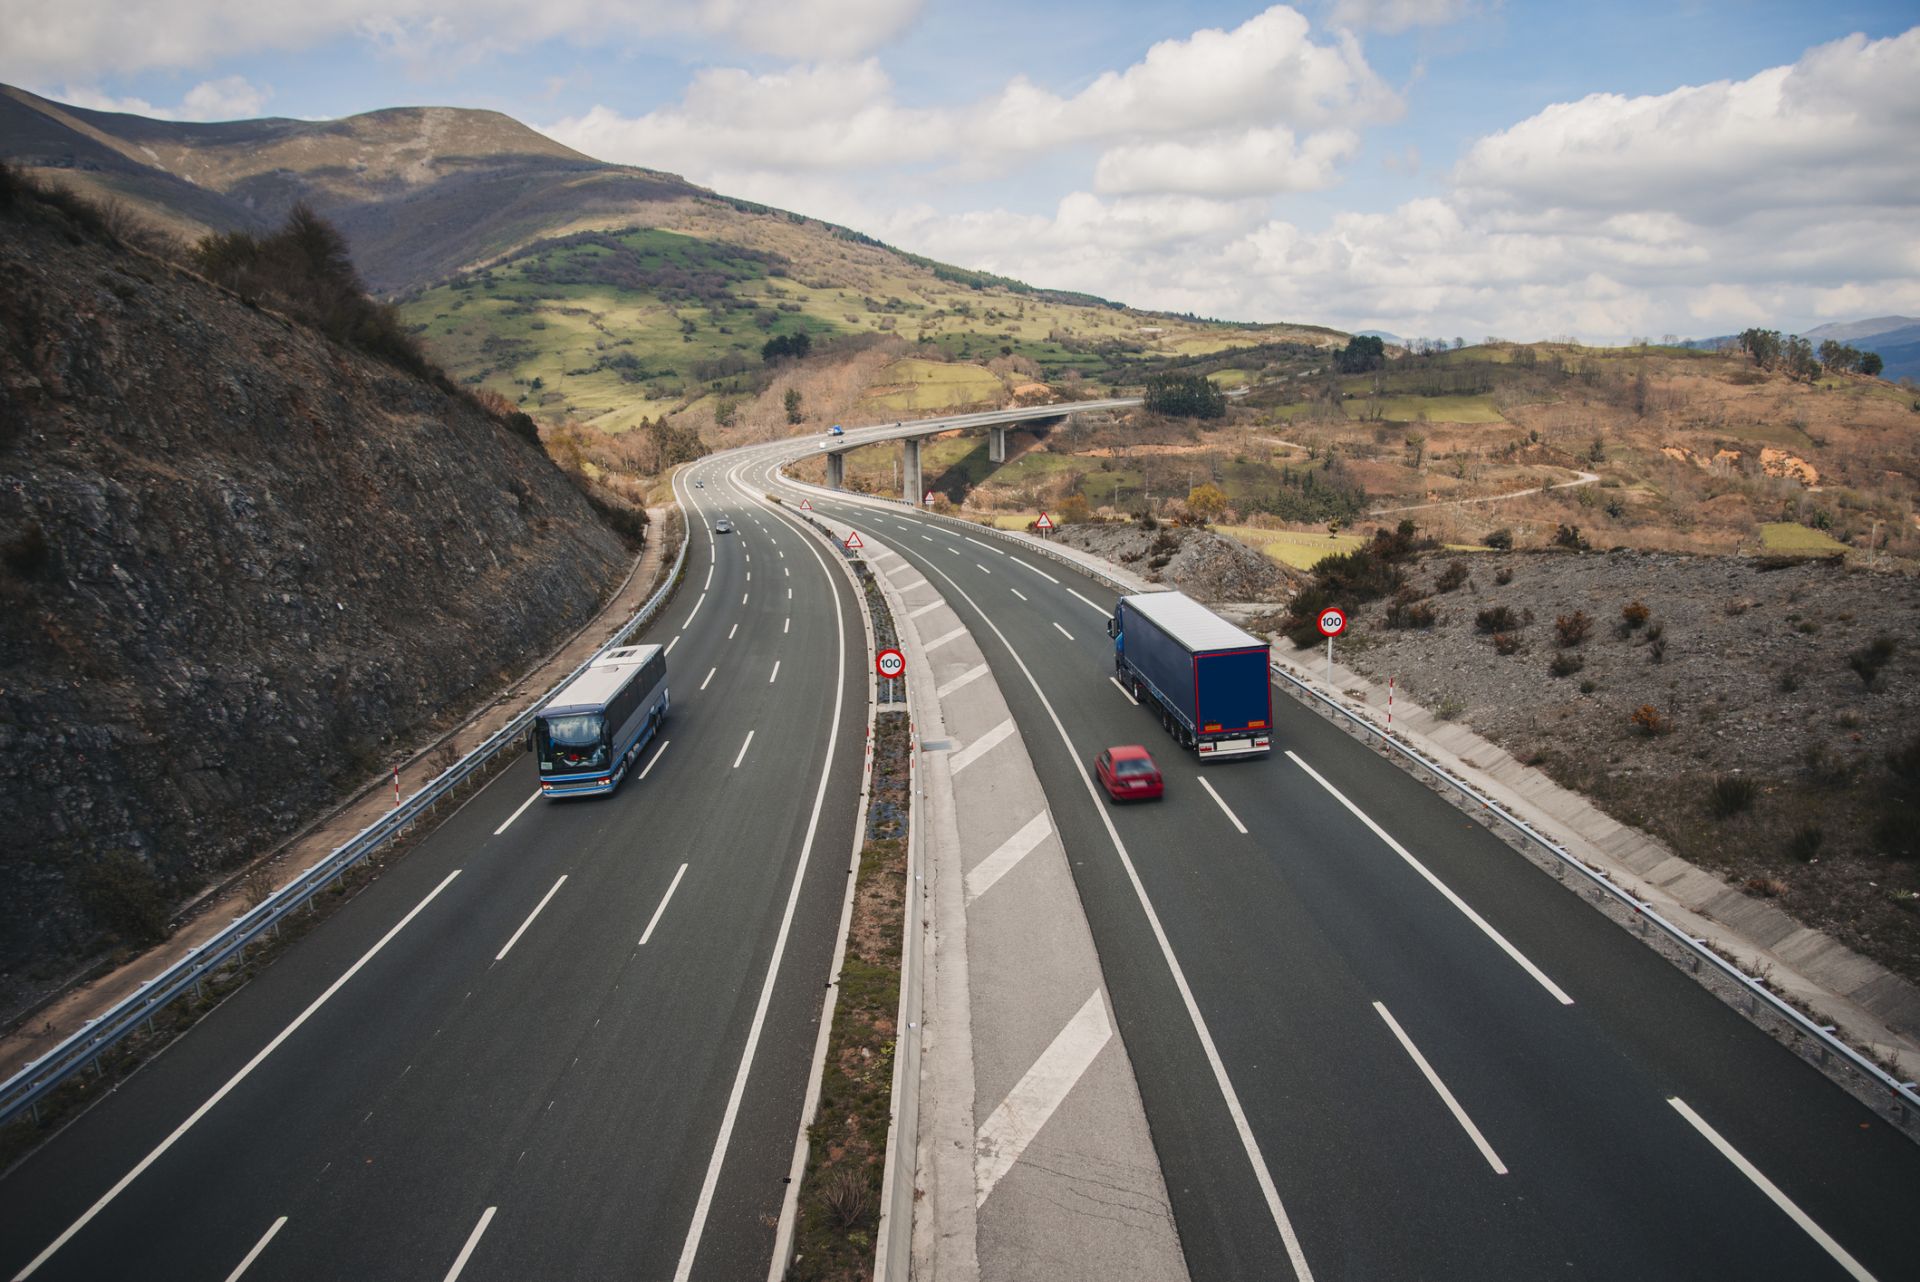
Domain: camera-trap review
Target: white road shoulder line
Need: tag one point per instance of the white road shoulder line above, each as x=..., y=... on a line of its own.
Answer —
x=1095, y=604
x=979, y=747
x=235, y=1080
x=1033, y=1100
x=1218, y=800
x=501, y=955
x=473, y=1240
x=1003, y=860
x=988, y=546
x=516, y=814
x=671, y=644
x=1437, y=884
x=696, y=609
x=1128, y=694
x=971, y=674
x=258, y=1247
x=1446, y=1096
x=1767, y=1186
x=743, y=750
x=1036, y=569
x=654, y=920
x=930, y=646
x=656, y=756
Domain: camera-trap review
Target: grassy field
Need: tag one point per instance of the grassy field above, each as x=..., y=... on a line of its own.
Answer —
x=1790, y=536
x=1300, y=550
x=915, y=386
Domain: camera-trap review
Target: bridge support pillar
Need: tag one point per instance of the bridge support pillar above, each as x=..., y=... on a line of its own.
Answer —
x=996, y=445
x=837, y=471
x=910, y=470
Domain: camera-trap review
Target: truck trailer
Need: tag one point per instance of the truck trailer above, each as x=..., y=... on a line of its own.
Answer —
x=1206, y=678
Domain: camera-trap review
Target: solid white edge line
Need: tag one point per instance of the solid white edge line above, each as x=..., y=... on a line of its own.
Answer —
x=1124, y=692
x=502, y=954
x=708, y=677
x=231, y=1082
x=1036, y=569
x=1767, y=1186
x=654, y=920
x=1063, y=632
x=709, y=582
x=1485, y=926
x=1282, y=1223
x=473, y=1240
x=661, y=752
x=516, y=814
x=1095, y=604
x=712, y=1180
x=776, y=672
x=1440, y=1088
x=743, y=750
x=1218, y=800
x=696, y=609
x=258, y=1247
x=988, y=546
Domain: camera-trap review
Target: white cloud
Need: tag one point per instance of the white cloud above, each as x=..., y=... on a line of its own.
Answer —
x=1249, y=163
x=230, y=98
x=1390, y=16
x=95, y=37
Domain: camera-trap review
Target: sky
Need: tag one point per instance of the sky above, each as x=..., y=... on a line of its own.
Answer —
x=1434, y=168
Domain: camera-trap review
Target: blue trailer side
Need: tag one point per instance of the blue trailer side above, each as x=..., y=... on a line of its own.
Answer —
x=1206, y=678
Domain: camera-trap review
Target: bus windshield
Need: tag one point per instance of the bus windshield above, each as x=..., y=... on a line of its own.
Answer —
x=572, y=742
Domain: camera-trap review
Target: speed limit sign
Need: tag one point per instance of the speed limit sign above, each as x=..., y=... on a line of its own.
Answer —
x=890, y=663
x=1332, y=622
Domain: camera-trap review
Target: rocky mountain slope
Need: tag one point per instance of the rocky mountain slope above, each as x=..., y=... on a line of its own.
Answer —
x=239, y=567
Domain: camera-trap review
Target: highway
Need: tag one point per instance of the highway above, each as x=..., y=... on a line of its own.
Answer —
x=556, y=1040
x=1373, y=1040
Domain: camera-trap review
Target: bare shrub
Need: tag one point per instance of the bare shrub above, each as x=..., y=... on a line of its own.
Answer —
x=848, y=1197
x=1503, y=576
x=1634, y=614
x=1452, y=577
x=1507, y=643
x=1648, y=721
x=1564, y=664
x=1572, y=629
x=1496, y=618
x=1729, y=795
x=1804, y=845
x=1767, y=887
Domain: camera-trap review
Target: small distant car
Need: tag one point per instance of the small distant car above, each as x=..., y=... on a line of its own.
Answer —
x=723, y=526
x=699, y=485
x=1128, y=773
x=836, y=430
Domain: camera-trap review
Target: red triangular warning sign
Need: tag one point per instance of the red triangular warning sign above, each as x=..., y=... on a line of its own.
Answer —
x=806, y=505
x=1044, y=523
x=853, y=541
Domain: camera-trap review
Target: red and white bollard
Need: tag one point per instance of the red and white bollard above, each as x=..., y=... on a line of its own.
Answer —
x=1389, y=705
x=396, y=786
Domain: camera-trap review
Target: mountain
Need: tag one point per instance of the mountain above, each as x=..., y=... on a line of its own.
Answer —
x=1849, y=331
x=1895, y=338
x=239, y=564
x=598, y=291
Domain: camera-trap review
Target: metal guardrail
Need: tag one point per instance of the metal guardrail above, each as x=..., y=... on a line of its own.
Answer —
x=25, y=1090
x=1903, y=1096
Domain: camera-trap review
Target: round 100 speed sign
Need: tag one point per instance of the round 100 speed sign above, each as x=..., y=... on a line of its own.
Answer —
x=1332, y=622
x=890, y=663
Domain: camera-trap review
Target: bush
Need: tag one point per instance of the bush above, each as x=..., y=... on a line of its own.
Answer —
x=1501, y=538
x=1452, y=577
x=1729, y=795
x=1506, y=643
x=1633, y=614
x=1352, y=578
x=1496, y=618
x=1572, y=629
x=1565, y=665
x=1503, y=576
x=1185, y=396
x=1867, y=661
x=1804, y=845
x=1648, y=721
x=1569, y=536
x=1408, y=611
x=124, y=895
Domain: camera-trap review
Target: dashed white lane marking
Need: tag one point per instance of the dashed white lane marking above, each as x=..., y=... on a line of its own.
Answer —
x=1095, y=604
x=927, y=537
x=908, y=587
x=1012, y=1126
x=787, y=570
x=1437, y=884
x=670, y=645
x=983, y=569
x=749, y=576
x=708, y=677
x=258, y=1247
x=1220, y=802
x=988, y=546
x=654, y=920
x=743, y=750
x=971, y=674
x=941, y=640
x=743, y=598
x=473, y=1240
x=776, y=672
x=979, y=747
x=1767, y=1186
x=928, y=608
x=709, y=582
x=955, y=551
x=1063, y=632
x=659, y=754
x=1446, y=1096
x=502, y=954
x=1123, y=690
x=1011, y=852
x=786, y=624
x=1037, y=570
x=730, y=631
x=245, y=1070
x=789, y=594
x=1017, y=592
x=516, y=814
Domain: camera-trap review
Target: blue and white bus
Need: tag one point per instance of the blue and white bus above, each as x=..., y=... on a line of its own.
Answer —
x=587, y=736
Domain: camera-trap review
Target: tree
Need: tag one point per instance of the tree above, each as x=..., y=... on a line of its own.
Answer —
x=1796, y=355
x=1416, y=449
x=793, y=406
x=725, y=411
x=1074, y=510
x=785, y=346
x=1207, y=500
x=1185, y=396
x=1761, y=344
x=1871, y=364
x=1360, y=355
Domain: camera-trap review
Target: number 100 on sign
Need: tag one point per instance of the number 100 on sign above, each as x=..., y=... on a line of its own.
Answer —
x=890, y=663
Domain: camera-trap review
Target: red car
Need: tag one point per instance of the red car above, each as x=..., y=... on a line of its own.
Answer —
x=1128, y=773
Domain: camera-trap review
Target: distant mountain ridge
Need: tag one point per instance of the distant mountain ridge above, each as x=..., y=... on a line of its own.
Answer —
x=1895, y=338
